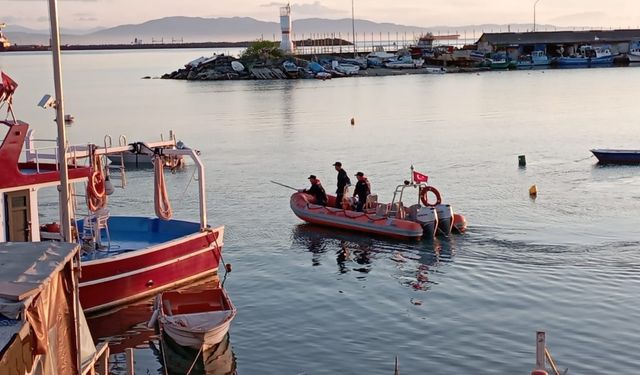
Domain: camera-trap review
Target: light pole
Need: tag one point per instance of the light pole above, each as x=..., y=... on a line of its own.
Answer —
x=534, y=14
x=353, y=27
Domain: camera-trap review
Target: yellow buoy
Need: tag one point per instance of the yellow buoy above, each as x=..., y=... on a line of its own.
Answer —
x=533, y=191
x=353, y=121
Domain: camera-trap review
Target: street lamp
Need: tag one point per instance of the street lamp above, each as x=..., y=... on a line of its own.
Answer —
x=353, y=27
x=534, y=14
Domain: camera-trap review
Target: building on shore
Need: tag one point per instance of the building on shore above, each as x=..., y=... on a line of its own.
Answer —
x=4, y=41
x=557, y=43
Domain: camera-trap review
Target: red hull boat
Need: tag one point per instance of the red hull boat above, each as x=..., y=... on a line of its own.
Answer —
x=422, y=219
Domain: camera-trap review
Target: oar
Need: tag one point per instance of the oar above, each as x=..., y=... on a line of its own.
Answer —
x=283, y=185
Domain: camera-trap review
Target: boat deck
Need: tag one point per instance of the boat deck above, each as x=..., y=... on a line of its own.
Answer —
x=127, y=234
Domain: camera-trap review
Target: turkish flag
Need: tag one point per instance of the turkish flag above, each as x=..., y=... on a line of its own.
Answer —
x=419, y=177
x=7, y=87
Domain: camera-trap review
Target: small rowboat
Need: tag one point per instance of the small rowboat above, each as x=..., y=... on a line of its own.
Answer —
x=196, y=319
x=392, y=220
x=609, y=156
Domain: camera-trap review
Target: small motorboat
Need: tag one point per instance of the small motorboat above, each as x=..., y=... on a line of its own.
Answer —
x=196, y=319
x=420, y=219
x=612, y=156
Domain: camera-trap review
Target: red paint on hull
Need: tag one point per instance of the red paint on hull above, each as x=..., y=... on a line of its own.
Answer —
x=124, y=279
x=350, y=220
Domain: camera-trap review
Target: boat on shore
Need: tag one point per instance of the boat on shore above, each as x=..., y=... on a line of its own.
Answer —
x=405, y=62
x=195, y=319
x=421, y=219
x=617, y=156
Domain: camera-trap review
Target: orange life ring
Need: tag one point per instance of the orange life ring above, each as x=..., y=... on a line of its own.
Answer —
x=424, y=198
x=96, y=185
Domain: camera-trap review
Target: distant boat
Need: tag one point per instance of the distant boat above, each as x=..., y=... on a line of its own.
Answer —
x=613, y=156
x=536, y=58
x=290, y=69
x=379, y=56
x=348, y=69
x=405, y=62
x=237, y=66
x=502, y=61
x=587, y=56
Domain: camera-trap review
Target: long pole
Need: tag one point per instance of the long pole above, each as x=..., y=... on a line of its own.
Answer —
x=534, y=14
x=353, y=27
x=65, y=217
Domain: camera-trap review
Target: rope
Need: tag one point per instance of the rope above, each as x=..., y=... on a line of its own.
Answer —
x=194, y=361
x=164, y=360
x=188, y=184
x=160, y=196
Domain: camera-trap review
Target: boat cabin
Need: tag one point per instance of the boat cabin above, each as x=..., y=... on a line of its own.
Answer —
x=22, y=175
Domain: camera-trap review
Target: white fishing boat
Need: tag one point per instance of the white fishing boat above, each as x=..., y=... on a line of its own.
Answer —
x=348, y=69
x=405, y=62
x=196, y=319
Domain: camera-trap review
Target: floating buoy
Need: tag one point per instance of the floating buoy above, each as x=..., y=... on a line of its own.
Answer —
x=353, y=121
x=459, y=223
x=533, y=191
x=522, y=161
x=227, y=267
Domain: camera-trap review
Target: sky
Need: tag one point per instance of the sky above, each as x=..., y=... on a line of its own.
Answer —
x=88, y=14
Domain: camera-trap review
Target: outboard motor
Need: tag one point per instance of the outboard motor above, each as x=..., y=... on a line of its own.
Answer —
x=428, y=218
x=445, y=218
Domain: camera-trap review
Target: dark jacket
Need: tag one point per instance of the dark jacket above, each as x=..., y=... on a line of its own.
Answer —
x=318, y=193
x=363, y=188
x=343, y=180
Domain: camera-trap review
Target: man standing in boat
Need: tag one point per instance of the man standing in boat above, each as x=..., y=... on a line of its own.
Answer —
x=343, y=182
x=316, y=190
x=362, y=190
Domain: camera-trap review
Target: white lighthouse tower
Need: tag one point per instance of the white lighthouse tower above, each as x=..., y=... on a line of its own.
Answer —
x=285, y=25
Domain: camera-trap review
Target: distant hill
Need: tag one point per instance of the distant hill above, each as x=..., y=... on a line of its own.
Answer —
x=197, y=29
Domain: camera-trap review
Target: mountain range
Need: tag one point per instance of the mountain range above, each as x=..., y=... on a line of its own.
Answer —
x=232, y=29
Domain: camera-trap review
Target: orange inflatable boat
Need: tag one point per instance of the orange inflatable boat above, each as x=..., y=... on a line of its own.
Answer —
x=421, y=219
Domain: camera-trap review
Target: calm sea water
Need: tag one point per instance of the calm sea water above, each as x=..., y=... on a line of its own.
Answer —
x=567, y=262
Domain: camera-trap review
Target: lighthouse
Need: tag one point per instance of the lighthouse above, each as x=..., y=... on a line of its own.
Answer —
x=285, y=25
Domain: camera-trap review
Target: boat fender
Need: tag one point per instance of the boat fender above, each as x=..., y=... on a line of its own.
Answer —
x=424, y=198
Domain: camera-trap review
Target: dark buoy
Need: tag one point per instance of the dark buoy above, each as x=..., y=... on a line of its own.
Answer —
x=353, y=121
x=227, y=267
x=522, y=161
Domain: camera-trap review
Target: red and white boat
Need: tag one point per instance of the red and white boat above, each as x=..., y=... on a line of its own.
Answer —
x=196, y=319
x=125, y=257
x=417, y=220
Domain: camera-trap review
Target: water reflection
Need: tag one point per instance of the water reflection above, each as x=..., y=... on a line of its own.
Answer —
x=180, y=360
x=414, y=263
x=126, y=327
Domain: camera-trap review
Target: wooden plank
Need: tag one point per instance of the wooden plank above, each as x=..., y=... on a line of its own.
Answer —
x=17, y=291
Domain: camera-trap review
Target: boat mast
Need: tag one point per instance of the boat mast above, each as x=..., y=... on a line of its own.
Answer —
x=65, y=216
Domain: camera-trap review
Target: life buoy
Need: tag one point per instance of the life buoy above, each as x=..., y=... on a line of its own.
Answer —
x=96, y=185
x=424, y=196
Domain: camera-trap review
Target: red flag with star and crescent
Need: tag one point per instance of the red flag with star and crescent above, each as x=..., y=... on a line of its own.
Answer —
x=7, y=87
x=419, y=177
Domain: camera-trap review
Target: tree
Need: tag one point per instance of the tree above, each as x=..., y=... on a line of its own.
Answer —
x=262, y=50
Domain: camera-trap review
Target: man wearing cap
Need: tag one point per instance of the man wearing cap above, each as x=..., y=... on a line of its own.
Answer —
x=362, y=190
x=343, y=182
x=316, y=190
